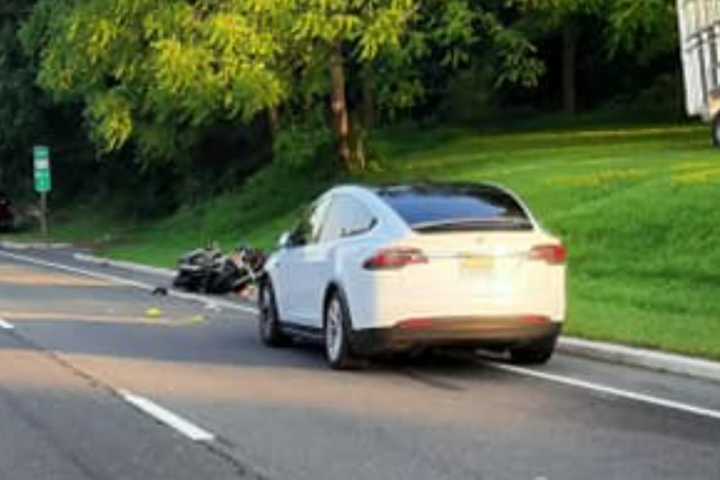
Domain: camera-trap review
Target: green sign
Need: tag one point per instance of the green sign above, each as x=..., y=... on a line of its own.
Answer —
x=43, y=181
x=41, y=161
x=41, y=152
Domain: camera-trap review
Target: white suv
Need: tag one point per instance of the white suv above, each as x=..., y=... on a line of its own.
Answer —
x=372, y=270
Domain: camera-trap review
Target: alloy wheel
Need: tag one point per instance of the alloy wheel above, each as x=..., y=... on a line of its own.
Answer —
x=334, y=330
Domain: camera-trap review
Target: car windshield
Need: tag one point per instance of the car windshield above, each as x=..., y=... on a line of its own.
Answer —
x=443, y=208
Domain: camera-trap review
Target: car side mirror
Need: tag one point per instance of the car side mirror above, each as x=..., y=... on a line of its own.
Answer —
x=285, y=240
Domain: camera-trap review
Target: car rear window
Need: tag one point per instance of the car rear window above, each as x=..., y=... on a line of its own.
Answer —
x=442, y=208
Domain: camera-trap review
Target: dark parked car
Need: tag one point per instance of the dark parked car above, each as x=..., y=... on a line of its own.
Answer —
x=7, y=213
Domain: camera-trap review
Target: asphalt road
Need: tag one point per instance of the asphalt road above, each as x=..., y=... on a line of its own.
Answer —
x=92, y=388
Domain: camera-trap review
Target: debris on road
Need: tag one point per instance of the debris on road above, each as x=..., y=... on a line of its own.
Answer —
x=209, y=270
x=154, y=313
x=160, y=291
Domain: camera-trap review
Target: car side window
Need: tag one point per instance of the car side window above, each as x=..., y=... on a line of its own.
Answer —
x=361, y=220
x=347, y=217
x=309, y=228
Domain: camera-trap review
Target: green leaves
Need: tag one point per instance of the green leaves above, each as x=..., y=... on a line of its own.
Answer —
x=110, y=114
x=515, y=54
x=648, y=27
x=186, y=65
x=174, y=61
x=192, y=63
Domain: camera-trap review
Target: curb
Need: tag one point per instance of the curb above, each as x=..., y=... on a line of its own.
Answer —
x=130, y=266
x=10, y=245
x=638, y=357
x=606, y=352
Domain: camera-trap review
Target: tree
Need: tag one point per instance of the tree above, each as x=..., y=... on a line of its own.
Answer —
x=648, y=27
x=159, y=72
x=338, y=32
x=24, y=112
x=153, y=70
x=390, y=47
x=645, y=27
x=562, y=15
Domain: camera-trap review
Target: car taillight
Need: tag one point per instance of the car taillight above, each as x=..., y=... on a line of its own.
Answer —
x=535, y=320
x=550, y=254
x=395, y=258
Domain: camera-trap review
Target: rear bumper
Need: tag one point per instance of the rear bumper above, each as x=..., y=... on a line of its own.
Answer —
x=476, y=332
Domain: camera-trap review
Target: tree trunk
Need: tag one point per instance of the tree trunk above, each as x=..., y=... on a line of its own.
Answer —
x=274, y=120
x=368, y=79
x=680, y=82
x=569, y=68
x=339, y=107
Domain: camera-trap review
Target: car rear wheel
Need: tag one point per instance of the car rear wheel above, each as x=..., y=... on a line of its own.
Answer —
x=337, y=330
x=271, y=333
x=537, y=353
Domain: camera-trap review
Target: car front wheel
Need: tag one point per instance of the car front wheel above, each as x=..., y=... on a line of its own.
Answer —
x=337, y=330
x=269, y=324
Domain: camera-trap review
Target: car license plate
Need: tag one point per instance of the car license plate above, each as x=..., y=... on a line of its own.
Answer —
x=475, y=265
x=488, y=275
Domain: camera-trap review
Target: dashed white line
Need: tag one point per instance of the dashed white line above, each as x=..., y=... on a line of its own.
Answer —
x=176, y=422
x=6, y=325
x=617, y=392
x=131, y=283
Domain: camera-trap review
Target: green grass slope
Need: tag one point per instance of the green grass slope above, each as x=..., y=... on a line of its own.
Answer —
x=639, y=209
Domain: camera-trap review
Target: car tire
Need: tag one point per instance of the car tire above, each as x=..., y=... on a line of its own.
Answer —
x=337, y=328
x=715, y=131
x=537, y=353
x=271, y=333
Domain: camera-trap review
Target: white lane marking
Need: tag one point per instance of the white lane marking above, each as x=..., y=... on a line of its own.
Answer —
x=137, y=267
x=6, y=325
x=127, y=282
x=190, y=430
x=597, y=387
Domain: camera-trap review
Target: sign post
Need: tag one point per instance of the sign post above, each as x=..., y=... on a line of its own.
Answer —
x=43, y=182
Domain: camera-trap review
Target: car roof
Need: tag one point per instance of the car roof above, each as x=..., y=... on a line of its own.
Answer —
x=426, y=188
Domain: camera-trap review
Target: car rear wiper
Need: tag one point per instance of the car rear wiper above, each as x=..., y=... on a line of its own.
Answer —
x=471, y=224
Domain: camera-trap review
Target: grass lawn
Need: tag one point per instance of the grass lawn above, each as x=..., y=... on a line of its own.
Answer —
x=639, y=209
